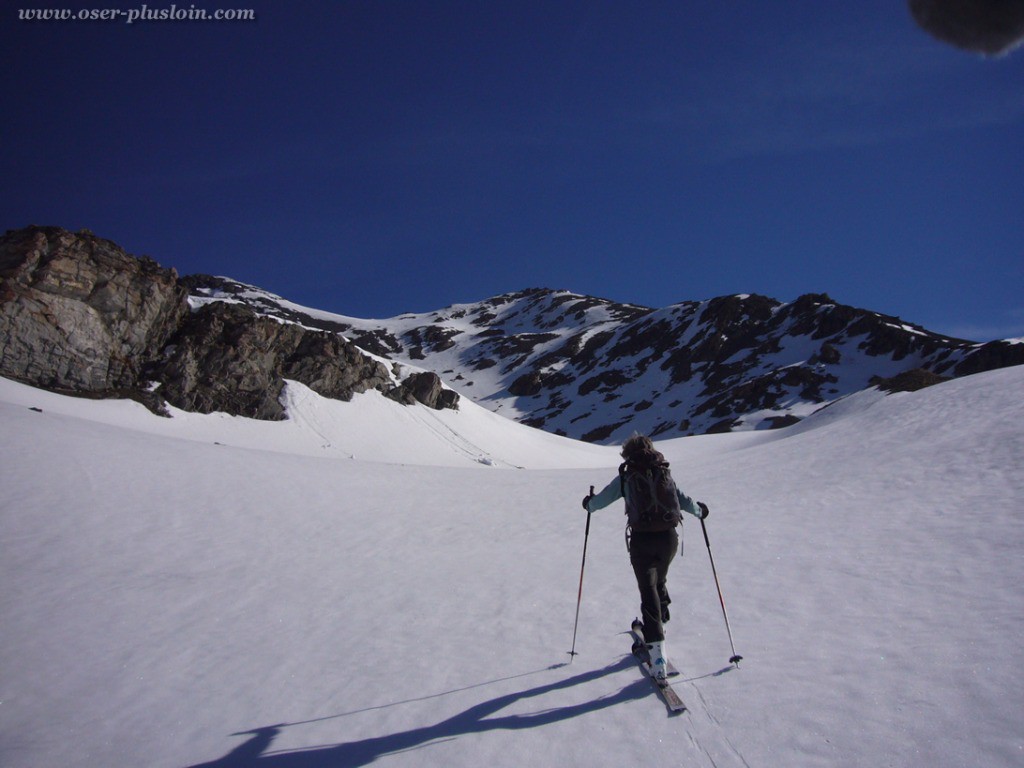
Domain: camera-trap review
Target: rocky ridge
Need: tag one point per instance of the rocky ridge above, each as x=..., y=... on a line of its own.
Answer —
x=597, y=370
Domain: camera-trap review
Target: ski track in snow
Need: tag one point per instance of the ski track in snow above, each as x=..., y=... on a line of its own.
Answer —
x=212, y=591
x=706, y=728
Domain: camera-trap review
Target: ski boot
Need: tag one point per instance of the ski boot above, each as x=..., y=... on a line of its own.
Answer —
x=659, y=666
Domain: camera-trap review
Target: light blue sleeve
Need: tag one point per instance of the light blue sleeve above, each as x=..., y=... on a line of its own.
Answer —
x=611, y=492
x=687, y=504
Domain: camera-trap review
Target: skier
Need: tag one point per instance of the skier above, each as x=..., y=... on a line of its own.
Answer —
x=653, y=505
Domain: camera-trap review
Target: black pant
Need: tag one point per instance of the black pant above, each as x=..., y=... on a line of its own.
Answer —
x=651, y=553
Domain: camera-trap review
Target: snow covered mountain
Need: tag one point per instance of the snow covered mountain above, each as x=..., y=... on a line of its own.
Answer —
x=78, y=314
x=597, y=370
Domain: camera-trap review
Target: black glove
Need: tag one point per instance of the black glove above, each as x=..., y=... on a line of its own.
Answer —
x=586, y=501
x=704, y=511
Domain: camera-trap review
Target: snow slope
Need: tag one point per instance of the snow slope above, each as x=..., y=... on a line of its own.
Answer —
x=208, y=591
x=373, y=428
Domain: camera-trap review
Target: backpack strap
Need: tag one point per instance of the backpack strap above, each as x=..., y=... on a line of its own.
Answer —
x=622, y=493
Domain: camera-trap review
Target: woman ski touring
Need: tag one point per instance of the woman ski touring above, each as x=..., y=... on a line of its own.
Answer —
x=653, y=507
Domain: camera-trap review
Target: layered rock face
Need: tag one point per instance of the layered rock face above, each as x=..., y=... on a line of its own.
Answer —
x=77, y=313
x=227, y=358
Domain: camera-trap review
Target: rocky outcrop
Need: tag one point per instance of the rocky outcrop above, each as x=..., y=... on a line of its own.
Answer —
x=79, y=314
x=425, y=388
x=988, y=357
x=227, y=358
x=908, y=381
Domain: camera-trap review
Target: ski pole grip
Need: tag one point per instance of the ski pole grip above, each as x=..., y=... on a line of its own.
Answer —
x=704, y=528
x=587, y=533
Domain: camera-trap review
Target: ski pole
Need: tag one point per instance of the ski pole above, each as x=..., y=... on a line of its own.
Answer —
x=579, y=596
x=736, y=658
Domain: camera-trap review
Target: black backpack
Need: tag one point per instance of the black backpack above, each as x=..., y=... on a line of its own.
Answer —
x=652, y=502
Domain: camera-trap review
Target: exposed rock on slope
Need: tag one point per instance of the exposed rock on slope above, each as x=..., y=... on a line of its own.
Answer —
x=78, y=313
x=227, y=358
x=425, y=387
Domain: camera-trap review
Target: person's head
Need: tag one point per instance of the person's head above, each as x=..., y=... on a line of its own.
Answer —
x=637, y=445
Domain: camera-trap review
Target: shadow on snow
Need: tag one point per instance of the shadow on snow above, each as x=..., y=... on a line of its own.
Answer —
x=477, y=719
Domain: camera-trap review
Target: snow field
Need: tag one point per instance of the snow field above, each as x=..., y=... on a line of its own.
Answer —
x=169, y=601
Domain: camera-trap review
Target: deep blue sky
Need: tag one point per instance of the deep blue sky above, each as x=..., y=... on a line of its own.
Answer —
x=373, y=158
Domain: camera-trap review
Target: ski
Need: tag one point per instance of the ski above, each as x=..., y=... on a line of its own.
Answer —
x=668, y=694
